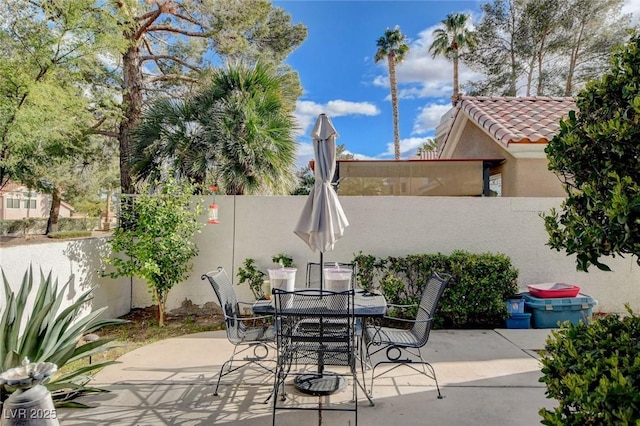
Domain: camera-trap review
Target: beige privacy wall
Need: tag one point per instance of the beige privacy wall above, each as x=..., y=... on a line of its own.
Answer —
x=260, y=227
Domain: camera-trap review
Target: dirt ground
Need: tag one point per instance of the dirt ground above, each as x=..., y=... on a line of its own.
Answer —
x=188, y=313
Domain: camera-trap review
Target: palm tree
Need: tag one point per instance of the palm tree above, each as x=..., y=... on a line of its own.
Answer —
x=393, y=47
x=238, y=132
x=450, y=40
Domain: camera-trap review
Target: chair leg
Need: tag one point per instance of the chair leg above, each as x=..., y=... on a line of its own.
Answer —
x=228, y=364
x=431, y=373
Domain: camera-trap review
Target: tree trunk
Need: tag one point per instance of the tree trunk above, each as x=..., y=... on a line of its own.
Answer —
x=541, y=52
x=394, y=105
x=54, y=213
x=161, y=298
x=132, y=110
x=456, y=85
x=573, y=61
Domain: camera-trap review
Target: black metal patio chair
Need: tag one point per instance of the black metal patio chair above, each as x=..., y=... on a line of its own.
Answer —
x=402, y=340
x=253, y=333
x=313, y=272
x=315, y=329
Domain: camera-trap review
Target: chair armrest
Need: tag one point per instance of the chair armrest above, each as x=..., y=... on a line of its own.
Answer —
x=408, y=321
x=391, y=305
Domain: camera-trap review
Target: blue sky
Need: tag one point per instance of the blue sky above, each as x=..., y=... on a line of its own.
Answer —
x=339, y=76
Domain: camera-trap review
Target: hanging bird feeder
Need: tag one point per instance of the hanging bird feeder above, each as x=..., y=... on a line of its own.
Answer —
x=213, y=207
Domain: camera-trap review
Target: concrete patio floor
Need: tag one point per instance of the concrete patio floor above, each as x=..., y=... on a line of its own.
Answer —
x=488, y=377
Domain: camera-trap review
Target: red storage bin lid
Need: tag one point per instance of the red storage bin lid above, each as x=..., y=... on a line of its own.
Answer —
x=551, y=290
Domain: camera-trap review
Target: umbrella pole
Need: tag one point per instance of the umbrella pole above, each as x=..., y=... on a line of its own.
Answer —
x=321, y=271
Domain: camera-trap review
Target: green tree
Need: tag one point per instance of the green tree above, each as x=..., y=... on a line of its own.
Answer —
x=306, y=180
x=47, y=103
x=170, y=44
x=545, y=47
x=596, y=155
x=393, y=47
x=237, y=131
x=499, y=49
x=157, y=242
x=591, y=28
x=450, y=41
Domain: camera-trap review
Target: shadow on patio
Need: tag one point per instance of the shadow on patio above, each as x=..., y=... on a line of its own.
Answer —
x=485, y=378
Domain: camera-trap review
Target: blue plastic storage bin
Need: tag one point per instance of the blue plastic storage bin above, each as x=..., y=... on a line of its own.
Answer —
x=519, y=320
x=547, y=313
x=515, y=306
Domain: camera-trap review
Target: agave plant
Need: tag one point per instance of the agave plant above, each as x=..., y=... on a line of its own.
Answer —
x=43, y=332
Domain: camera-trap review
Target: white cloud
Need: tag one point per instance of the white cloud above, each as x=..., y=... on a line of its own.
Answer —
x=307, y=111
x=407, y=147
x=420, y=75
x=632, y=7
x=429, y=118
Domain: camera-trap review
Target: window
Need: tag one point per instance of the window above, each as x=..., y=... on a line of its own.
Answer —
x=29, y=204
x=13, y=203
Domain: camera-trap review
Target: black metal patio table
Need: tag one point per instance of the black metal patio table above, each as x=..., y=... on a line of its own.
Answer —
x=366, y=304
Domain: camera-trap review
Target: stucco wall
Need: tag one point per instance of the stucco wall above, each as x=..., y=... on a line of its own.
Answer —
x=383, y=226
x=79, y=262
x=387, y=226
x=527, y=171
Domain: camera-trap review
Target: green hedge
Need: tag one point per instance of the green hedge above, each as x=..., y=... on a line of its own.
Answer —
x=476, y=297
x=39, y=225
x=593, y=371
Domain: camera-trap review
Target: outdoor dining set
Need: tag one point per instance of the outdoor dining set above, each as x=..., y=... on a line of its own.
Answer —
x=330, y=323
x=297, y=336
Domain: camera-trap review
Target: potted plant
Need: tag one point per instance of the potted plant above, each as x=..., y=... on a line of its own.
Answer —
x=248, y=273
x=284, y=260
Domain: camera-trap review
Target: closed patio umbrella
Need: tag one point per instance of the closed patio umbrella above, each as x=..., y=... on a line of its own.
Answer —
x=321, y=224
x=322, y=221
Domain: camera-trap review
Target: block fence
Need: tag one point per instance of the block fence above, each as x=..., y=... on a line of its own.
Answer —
x=262, y=226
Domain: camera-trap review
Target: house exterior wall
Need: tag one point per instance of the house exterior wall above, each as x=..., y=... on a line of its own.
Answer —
x=259, y=227
x=526, y=171
x=475, y=143
x=26, y=198
x=521, y=177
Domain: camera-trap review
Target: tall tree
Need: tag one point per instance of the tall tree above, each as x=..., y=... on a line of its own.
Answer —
x=591, y=28
x=450, y=41
x=237, y=131
x=595, y=155
x=171, y=41
x=49, y=108
x=543, y=22
x=393, y=47
x=498, y=51
x=548, y=47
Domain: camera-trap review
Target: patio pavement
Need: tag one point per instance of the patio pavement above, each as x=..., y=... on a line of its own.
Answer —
x=488, y=377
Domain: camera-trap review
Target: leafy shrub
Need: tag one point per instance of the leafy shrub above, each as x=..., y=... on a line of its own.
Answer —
x=283, y=259
x=43, y=332
x=61, y=235
x=33, y=225
x=155, y=238
x=476, y=296
x=594, y=372
x=253, y=276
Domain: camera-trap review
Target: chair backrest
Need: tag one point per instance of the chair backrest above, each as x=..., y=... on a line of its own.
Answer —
x=431, y=293
x=223, y=288
x=313, y=272
x=316, y=325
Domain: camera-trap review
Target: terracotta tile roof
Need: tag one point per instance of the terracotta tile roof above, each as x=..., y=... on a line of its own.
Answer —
x=11, y=186
x=518, y=120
